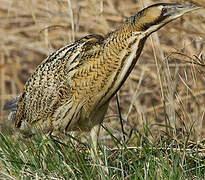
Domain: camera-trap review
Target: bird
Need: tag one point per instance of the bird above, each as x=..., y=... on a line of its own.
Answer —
x=71, y=89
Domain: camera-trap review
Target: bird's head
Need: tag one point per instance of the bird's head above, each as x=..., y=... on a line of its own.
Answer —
x=154, y=17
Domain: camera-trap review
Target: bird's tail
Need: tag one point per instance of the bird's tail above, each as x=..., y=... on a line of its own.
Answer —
x=11, y=106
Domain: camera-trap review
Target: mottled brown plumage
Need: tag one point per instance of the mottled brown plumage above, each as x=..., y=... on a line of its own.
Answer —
x=71, y=89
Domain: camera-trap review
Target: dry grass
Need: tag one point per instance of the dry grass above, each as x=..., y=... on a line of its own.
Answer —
x=31, y=29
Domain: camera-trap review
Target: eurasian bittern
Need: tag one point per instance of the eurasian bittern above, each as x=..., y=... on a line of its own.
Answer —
x=71, y=89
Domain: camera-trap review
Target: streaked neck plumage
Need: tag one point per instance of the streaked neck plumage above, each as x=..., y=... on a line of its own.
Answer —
x=126, y=43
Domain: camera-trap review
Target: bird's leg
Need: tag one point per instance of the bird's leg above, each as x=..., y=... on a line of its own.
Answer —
x=94, y=133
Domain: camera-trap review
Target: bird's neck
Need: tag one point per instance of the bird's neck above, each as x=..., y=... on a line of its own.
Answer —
x=125, y=45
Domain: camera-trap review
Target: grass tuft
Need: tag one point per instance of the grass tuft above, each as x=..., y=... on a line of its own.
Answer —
x=48, y=157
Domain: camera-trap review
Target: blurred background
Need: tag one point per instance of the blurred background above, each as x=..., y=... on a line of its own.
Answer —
x=172, y=96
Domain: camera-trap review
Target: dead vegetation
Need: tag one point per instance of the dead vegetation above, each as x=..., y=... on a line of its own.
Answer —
x=165, y=91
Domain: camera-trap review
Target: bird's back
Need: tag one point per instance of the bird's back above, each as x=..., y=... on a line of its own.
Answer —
x=61, y=85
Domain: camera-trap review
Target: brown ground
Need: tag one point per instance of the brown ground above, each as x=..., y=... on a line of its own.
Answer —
x=31, y=29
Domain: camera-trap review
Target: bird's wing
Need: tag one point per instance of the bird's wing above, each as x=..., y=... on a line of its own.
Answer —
x=48, y=87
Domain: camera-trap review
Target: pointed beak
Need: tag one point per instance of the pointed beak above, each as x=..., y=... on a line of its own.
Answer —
x=187, y=8
x=178, y=10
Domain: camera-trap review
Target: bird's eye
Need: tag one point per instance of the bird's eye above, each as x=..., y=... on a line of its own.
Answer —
x=164, y=10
